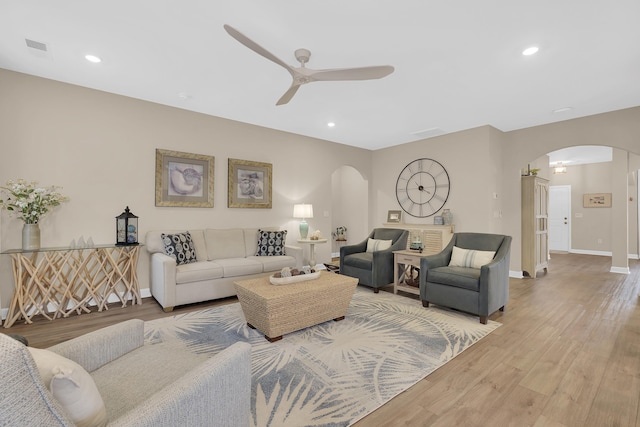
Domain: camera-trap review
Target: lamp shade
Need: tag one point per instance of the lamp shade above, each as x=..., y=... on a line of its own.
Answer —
x=303, y=211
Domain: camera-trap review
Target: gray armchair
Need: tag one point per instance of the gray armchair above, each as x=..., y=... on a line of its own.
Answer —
x=480, y=291
x=374, y=269
x=213, y=392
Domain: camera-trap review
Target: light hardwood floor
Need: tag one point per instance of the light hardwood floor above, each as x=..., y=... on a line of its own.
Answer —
x=567, y=354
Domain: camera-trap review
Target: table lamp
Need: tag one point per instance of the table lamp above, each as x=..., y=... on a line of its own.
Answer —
x=303, y=211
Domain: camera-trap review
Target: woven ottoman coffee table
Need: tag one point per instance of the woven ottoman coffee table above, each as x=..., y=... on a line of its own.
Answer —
x=276, y=310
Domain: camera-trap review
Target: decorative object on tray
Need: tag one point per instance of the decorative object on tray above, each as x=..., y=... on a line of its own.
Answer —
x=30, y=203
x=340, y=234
x=293, y=275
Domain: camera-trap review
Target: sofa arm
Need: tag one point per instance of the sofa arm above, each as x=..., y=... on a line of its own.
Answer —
x=295, y=252
x=97, y=348
x=163, y=280
x=215, y=393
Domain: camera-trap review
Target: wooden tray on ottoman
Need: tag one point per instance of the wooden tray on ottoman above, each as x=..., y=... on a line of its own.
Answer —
x=279, y=310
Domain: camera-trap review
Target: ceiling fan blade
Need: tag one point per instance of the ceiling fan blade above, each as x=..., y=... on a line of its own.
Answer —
x=288, y=94
x=361, y=73
x=255, y=46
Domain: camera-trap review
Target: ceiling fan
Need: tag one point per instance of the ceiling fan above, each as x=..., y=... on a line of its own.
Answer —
x=302, y=75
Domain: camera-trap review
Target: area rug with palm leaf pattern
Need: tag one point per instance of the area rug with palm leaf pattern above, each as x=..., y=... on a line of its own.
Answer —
x=335, y=373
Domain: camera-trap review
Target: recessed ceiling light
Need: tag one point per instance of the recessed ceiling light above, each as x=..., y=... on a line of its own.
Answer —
x=331, y=124
x=562, y=110
x=184, y=96
x=530, y=50
x=92, y=58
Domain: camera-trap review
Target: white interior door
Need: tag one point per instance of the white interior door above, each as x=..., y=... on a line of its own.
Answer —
x=560, y=218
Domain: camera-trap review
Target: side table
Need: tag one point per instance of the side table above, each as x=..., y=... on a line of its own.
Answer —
x=55, y=282
x=312, y=250
x=404, y=262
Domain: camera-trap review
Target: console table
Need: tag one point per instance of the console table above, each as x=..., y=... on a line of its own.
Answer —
x=56, y=282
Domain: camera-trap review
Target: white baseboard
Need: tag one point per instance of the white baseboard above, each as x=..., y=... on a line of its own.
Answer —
x=621, y=270
x=516, y=274
x=634, y=256
x=144, y=293
x=589, y=252
x=335, y=255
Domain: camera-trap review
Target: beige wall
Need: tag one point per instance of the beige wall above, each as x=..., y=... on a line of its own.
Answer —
x=473, y=163
x=588, y=225
x=100, y=147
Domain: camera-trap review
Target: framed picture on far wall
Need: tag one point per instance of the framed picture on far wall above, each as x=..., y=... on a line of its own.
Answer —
x=249, y=184
x=394, y=216
x=184, y=179
x=597, y=200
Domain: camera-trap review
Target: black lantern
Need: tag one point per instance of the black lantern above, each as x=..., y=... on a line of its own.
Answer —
x=126, y=228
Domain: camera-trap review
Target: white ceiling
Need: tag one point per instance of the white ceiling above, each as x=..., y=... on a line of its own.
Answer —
x=581, y=155
x=458, y=64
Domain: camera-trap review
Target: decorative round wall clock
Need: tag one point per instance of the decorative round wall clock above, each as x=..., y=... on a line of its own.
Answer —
x=422, y=187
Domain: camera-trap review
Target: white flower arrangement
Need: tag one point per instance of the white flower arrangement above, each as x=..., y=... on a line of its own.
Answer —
x=29, y=202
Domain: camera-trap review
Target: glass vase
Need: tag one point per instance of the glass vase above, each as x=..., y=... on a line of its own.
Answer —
x=447, y=216
x=30, y=237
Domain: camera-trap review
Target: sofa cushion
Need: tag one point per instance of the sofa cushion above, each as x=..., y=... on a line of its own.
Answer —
x=460, y=277
x=470, y=258
x=180, y=247
x=271, y=243
x=72, y=387
x=198, y=271
x=233, y=267
x=225, y=243
x=361, y=260
x=374, y=245
x=274, y=263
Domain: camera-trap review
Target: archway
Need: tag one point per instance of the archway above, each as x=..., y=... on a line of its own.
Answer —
x=350, y=193
x=611, y=231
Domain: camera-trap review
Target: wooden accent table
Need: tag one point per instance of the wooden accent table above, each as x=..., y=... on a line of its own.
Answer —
x=55, y=282
x=405, y=262
x=276, y=310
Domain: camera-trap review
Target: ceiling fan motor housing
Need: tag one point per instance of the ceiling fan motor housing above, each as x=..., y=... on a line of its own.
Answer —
x=302, y=55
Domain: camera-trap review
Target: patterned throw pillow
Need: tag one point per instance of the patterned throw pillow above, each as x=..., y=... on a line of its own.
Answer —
x=179, y=247
x=271, y=243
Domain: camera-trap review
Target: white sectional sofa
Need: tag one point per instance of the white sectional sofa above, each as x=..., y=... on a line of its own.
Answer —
x=222, y=257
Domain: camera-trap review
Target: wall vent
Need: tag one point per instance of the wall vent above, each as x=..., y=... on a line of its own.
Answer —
x=36, y=45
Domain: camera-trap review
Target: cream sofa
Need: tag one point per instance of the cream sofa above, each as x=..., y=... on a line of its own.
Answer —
x=223, y=256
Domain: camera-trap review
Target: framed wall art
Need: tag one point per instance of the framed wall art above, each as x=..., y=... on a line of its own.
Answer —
x=249, y=184
x=184, y=179
x=596, y=200
x=394, y=216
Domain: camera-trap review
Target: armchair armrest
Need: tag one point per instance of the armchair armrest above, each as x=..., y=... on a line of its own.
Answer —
x=97, y=348
x=215, y=393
